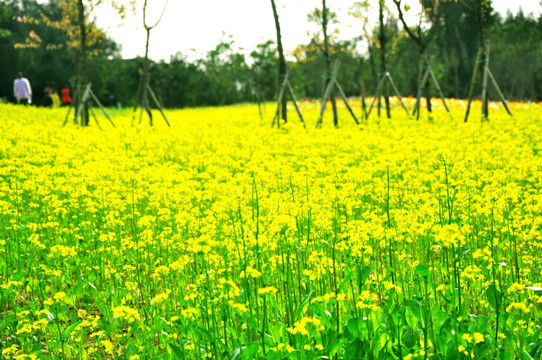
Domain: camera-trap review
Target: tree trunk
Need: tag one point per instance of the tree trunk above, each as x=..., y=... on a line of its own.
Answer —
x=327, y=61
x=383, y=58
x=282, y=61
x=146, y=77
x=81, y=71
x=373, y=66
x=427, y=86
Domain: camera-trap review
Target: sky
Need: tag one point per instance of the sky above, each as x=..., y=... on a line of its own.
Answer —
x=194, y=27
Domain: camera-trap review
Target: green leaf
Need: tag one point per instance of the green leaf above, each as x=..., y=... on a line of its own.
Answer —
x=69, y=329
x=205, y=333
x=36, y=348
x=346, y=280
x=416, y=309
x=363, y=275
x=493, y=296
x=353, y=327
x=392, y=327
x=356, y=349
x=301, y=308
x=527, y=355
x=453, y=355
x=409, y=318
x=483, y=350
x=104, y=311
x=334, y=345
x=245, y=352
x=441, y=320
x=176, y=351
x=237, y=353
x=423, y=271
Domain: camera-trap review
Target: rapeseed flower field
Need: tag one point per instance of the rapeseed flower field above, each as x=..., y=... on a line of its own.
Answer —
x=223, y=238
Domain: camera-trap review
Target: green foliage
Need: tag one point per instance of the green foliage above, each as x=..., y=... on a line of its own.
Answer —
x=225, y=76
x=264, y=69
x=5, y=14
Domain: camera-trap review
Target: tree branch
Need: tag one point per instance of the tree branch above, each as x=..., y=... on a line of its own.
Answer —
x=148, y=27
x=416, y=39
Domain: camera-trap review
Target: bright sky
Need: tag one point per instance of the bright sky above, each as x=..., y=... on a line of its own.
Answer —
x=194, y=27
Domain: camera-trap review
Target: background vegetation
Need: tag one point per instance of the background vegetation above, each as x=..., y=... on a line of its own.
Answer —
x=226, y=76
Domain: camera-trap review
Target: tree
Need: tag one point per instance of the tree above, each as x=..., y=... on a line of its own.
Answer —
x=144, y=86
x=481, y=10
x=359, y=10
x=383, y=40
x=323, y=17
x=457, y=45
x=515, y=42
x=227, y=76
x=281, y=60
x=433, y=11
x=5, y=14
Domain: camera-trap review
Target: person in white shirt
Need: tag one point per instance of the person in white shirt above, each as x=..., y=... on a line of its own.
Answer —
x=22, y=90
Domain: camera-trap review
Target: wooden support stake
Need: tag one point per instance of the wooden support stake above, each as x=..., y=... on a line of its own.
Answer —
x=388, y=77
x=82, y=103
x=499, y=93
x=419, y=94
x=324, y=103
x=473, y=82
x=158, y=104
x=363, y=104
x=486, y=75
x=376, y=95
x=279, y=100
x=397, y=93
x=426, y=75
x=485, y=110
x=67, y=115
x=141, y=112
x=343, y=96
x=291, y=91
x=95, y=118
x=87, y=94
x=286, y=84
x=101, y=107
x=327, y=93
x=439, y=90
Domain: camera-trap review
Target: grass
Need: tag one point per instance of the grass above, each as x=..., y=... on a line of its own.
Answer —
x=223, y=238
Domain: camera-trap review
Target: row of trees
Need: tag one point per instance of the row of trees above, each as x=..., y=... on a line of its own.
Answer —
x=33, y=39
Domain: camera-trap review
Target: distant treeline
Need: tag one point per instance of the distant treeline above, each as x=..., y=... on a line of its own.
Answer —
x=226, y=76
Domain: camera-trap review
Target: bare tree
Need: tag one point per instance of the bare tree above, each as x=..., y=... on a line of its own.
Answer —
x=144, y=88
x=282, y=61
x=81, y=77
x=433, y=10
x=327, y=59
x=85, y=33
x=383, y=40
x=323, y=17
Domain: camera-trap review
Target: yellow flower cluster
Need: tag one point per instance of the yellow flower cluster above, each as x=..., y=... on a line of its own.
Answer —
x=64, y=251
x=158, y=299
x=518, y=307
x=267, y=290
x=367, y=300
x=300, y=327
x=127, y=313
